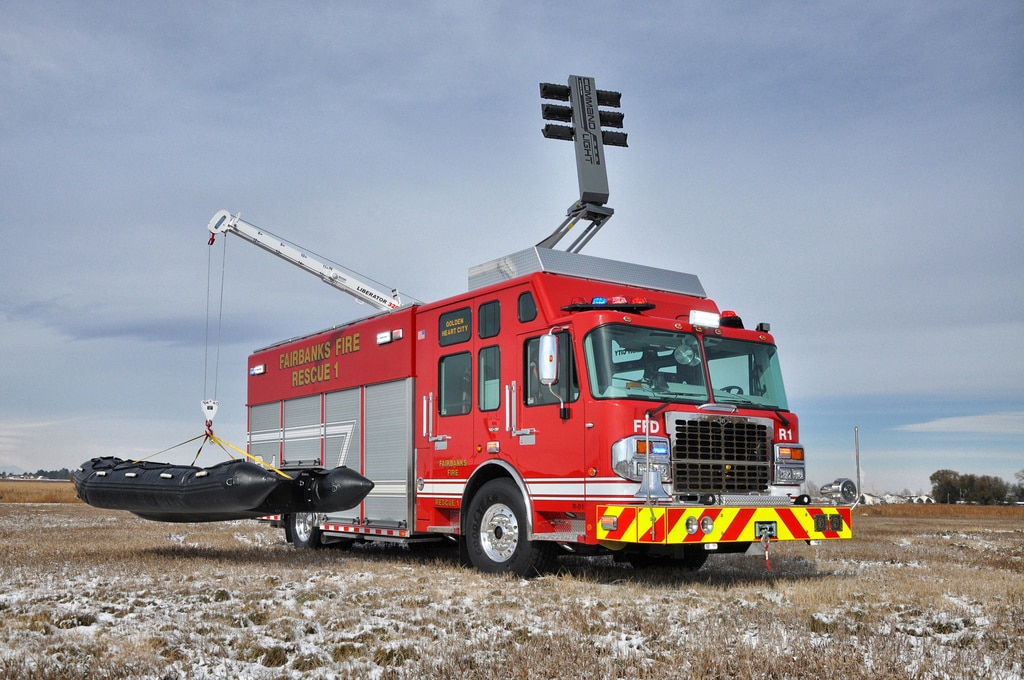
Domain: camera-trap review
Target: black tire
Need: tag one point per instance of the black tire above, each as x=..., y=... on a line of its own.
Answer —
x=692, y=560
x=496, y=533
x=303, y=531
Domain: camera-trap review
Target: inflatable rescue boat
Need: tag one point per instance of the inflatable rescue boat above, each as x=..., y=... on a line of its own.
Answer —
x=236, y=489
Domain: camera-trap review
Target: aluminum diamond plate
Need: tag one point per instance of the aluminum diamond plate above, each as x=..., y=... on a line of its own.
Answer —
x=537, y=259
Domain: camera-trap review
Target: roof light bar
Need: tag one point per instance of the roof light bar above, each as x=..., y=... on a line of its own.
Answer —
x=613, y=302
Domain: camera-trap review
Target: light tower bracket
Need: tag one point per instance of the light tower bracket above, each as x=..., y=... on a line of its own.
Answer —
x=596, y=214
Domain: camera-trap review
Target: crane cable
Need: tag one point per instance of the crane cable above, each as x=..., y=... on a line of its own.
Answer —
x=210, y=405
x=220, y=318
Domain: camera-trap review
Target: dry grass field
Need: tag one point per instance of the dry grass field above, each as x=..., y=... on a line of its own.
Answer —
x=37, y=491
x=935, y=592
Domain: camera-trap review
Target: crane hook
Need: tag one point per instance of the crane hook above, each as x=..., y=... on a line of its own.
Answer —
x=209, y=411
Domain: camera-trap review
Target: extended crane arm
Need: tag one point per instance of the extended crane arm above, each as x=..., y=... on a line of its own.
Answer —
x=224, y=222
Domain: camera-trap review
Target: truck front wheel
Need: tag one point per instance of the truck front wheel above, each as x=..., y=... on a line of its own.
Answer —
x=497, y=533
x=304, y=531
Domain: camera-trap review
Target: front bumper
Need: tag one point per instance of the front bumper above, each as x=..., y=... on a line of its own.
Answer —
x=668, y=525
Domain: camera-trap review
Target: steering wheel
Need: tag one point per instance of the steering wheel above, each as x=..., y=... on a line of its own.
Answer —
x=732, y=389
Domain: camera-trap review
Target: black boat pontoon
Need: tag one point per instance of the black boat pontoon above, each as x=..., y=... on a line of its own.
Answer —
x=236, y=489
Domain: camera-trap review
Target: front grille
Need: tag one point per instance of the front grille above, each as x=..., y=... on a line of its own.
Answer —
x=719, y=454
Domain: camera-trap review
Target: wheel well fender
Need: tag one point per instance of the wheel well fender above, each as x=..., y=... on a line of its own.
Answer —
x=488, y=471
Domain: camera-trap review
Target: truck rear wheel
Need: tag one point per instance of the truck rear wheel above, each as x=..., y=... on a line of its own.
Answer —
x=497, y=535
x=304, y=530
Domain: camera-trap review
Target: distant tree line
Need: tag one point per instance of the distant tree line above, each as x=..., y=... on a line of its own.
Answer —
x=63, y=474
x=949, y=486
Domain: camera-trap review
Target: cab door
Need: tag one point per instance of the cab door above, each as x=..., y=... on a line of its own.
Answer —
x=456, y=379
x=546, y=424
x=444, y=384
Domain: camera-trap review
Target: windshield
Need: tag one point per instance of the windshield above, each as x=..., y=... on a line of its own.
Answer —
x=628, y=362
x=644, y=363
x=745, y=373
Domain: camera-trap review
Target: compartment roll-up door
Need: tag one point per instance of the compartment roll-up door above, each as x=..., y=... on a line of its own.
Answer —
x=302, y=431
x=265, y=431
x=388, y=427
x=341, y=429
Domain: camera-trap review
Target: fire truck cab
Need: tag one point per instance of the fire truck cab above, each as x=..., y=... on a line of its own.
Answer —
x=564, y=403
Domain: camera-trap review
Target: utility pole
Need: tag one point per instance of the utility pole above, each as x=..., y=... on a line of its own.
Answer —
x=856, y=449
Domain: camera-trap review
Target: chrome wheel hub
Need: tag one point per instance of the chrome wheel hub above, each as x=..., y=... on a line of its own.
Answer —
x=499, y=533
x=305, y=524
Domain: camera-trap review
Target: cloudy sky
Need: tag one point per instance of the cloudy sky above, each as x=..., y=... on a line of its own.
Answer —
x=850, y=172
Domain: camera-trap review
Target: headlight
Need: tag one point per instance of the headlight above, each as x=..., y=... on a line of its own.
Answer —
x=789, y=464
x=629, y=457
x=785, y=474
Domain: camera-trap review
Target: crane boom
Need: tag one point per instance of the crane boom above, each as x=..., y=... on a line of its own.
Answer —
x=224, y=222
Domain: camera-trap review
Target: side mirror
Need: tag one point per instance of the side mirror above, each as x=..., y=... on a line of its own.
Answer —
x=547, y=360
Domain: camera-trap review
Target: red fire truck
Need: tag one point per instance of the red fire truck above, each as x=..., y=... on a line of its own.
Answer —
x=564, y=403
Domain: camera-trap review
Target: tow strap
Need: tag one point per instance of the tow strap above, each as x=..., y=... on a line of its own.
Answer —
x=226, y=445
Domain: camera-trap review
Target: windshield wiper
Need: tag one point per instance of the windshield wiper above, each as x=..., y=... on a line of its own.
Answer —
x=738, y=399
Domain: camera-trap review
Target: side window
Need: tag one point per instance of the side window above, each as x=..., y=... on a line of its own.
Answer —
x=567, y=386
x=527, y=307
x=488, y=389
x=489, y=319
x=455, y=382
